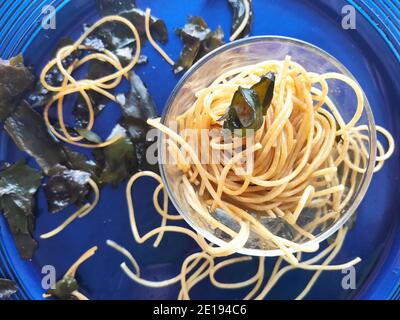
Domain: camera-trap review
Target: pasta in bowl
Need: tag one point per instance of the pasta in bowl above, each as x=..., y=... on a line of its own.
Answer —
x=267, y=146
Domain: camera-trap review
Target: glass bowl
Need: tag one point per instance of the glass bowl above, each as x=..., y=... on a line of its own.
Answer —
x=246, y=52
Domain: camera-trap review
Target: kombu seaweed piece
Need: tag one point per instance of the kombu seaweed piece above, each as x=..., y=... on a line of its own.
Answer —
x=158, y=27
x=114, y=37
x=64, y=288
x=118, y=38
x=265, y=90
x=198, y=40
x=65, y=187
x=7, y=289
x=15, y=80
x=128, y=155
x=18, y=185
x=195, y=28
x=212, y=42
x=137, y=107
x=118, y=160
x=249, y=106
x=187, y=57
x=29, y=132
x=245, y=111
x=238, y=8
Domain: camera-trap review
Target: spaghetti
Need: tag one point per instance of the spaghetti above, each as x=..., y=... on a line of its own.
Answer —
x=305, y=157
x=152, y=41
x=81, y=213
x=70, y=85
x=194, y=270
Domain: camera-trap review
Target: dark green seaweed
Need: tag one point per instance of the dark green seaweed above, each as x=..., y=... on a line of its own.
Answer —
x=15, y=80
x=64, y=288
x=118, y=161
x=65, y=187
x=249, y=106
x=238, y=9
x=187, y=57
x=29, y=132
x=213, y=41
x=245, y=111
x=128, y=9
x=158, y=28
x=128, y=155
x=265, y=90
x=137, y=107
x=198, y=40
x=117, y=37
x=18, y=185
x=7, y=289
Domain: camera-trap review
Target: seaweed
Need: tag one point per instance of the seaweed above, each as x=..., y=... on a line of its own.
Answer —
x=18, y=185
x=158, y=28
x=15, y=80
x=248, y=106
x=64, y=288
x=198, y=41
x=128, y=155
x=7, y=289
x=29, y=132
x=116, y=37
x=138, y=106
x=187, y=57
x=65, y=187
x=238, y=8
x=68, y=288
x=118, y=161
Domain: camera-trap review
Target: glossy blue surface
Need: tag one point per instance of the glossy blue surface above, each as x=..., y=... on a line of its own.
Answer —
x=370, y=52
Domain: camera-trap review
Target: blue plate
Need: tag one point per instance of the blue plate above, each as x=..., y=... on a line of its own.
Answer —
x=371, y=52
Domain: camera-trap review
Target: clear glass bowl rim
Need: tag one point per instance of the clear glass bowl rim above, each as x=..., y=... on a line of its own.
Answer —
x=366, y=178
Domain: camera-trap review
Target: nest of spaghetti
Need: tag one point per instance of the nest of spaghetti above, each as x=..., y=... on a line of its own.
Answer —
x=268, y=172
